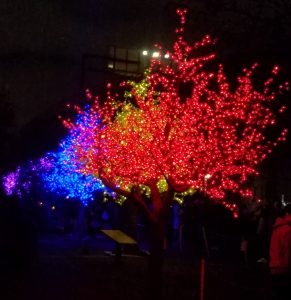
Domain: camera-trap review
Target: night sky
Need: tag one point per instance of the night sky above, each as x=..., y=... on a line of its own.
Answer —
x=43, y=42
x=41, y=50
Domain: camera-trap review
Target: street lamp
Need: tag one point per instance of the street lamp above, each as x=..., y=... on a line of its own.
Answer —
x=156, y=54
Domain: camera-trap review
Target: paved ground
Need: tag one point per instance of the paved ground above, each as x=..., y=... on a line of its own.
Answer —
x=68, y=268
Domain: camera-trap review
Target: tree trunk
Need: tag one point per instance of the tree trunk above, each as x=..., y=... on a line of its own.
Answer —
x=156, y=214
x=156, y=260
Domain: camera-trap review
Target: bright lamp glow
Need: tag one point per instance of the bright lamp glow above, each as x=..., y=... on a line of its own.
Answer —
x=207, y=176
x=156, y=54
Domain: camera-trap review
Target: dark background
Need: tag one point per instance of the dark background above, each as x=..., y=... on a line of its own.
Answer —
x=43, y=44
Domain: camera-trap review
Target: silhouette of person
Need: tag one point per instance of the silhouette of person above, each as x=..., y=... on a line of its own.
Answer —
x=280, y=254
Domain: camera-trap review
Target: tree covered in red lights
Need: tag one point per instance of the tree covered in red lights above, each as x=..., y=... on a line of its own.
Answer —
x=183, y=126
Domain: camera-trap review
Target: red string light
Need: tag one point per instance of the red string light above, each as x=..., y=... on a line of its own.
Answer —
x=185, y=123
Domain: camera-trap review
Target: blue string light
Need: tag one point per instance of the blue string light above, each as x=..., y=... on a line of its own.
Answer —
x=63, y=176
x=59, y=172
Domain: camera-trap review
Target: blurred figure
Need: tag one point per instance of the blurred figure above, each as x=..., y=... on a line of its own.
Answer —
x=263, y=232
x=193, y=224
x=247, y=229
x=280, y=255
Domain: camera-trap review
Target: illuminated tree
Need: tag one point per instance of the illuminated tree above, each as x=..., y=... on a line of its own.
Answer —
x=24, y=179
x=182, y=127
x=60, y=170
x=10, y=183
x=57, y=172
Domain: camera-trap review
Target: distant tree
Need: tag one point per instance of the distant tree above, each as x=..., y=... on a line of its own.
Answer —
x=56, y=172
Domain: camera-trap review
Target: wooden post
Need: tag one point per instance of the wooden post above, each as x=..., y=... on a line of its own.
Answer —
x=205, y=241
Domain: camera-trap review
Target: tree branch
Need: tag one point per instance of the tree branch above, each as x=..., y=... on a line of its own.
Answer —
x=112, y=186
x=155, y=198
x=178, y=188
x=138, y=198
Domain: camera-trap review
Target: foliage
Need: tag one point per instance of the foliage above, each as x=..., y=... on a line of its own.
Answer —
x=183, y=124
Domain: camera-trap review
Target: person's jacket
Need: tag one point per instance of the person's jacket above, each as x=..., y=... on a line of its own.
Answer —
x=280, y=247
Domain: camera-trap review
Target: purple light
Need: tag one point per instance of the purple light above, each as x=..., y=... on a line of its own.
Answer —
x=10, y=182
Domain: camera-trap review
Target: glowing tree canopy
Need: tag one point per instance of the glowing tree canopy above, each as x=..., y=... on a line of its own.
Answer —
x=63, y=177
x=10, y=183
x=23, y=179
x=183, y=125
x=58, y=172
